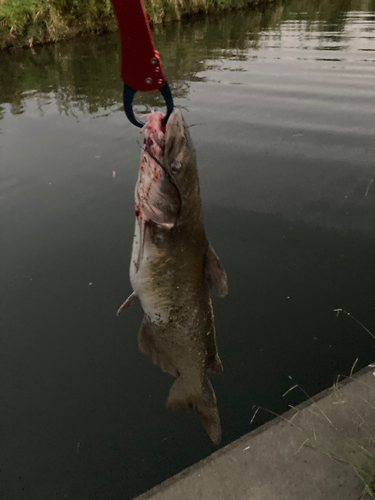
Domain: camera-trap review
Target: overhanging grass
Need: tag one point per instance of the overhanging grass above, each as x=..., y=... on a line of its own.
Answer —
x=30, y=22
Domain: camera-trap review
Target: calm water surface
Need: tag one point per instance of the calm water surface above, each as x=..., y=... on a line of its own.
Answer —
x=284, y=106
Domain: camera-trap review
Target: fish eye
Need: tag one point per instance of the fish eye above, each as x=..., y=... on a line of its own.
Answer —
x=176, y=166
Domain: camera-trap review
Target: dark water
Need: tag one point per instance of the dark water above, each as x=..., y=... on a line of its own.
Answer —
x=285, y=102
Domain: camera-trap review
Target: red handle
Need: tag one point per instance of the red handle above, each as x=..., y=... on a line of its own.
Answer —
x=141, y=68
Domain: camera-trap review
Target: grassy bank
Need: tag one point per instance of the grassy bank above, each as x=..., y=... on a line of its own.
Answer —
x=31, y=22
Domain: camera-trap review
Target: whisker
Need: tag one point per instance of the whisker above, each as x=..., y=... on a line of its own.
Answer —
x=148, y=149
x=195, y=124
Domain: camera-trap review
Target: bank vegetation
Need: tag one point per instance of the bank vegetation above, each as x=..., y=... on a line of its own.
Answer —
x=32, y=22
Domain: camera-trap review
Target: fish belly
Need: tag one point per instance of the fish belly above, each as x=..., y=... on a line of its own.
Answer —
x=145, y=254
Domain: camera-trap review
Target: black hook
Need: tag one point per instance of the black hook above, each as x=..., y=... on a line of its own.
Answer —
x=128, y=104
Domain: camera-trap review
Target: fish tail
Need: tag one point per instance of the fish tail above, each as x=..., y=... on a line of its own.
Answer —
x=202, y=399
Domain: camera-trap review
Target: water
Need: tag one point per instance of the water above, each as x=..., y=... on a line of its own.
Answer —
x=283, y=101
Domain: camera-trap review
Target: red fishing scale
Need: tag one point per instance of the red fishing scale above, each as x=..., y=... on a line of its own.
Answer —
x=141, y=68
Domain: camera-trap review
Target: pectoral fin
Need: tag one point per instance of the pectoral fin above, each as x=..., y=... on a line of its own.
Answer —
x=128, y=302
x=215, y=274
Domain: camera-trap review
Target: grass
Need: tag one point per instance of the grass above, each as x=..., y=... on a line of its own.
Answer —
x=31, y=22
x=359, y=457
x=40, y=21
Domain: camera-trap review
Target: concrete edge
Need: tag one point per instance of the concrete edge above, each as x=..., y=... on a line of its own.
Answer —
x=259, y=430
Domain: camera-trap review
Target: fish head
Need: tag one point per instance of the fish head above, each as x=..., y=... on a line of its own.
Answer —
x=167, y=191
x=157, y=199
x=180, y=162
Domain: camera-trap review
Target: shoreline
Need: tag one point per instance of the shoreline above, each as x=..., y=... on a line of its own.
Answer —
x=287, y=457
x=10, y=39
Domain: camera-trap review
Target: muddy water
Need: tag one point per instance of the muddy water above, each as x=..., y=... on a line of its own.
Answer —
x=283, y=103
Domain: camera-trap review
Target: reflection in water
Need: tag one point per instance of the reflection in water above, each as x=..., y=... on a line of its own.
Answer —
x=83, y=76
x=172, y=267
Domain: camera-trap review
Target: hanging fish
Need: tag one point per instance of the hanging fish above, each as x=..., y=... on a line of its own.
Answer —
x=173, y=267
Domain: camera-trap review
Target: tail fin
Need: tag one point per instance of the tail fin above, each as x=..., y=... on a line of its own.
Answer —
x=200, y=398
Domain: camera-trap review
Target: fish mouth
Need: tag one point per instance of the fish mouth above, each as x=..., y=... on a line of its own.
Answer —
x=158, y=198
x=174, y=130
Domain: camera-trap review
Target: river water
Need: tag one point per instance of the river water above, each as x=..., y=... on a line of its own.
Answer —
x=283, y=103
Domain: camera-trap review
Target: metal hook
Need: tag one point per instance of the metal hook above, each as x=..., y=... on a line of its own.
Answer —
x=128, y=104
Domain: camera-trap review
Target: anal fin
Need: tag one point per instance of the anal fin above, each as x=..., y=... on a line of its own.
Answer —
x=148, y=344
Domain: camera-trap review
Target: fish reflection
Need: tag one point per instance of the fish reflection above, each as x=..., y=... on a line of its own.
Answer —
x=172, y=268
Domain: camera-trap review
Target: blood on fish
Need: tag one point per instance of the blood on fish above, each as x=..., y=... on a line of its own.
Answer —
x=138, y=211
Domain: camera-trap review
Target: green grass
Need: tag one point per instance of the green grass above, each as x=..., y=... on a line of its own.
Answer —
x=39, y=21
x=30, y=22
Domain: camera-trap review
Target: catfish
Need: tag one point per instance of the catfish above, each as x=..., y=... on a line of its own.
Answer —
x=173, y=267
